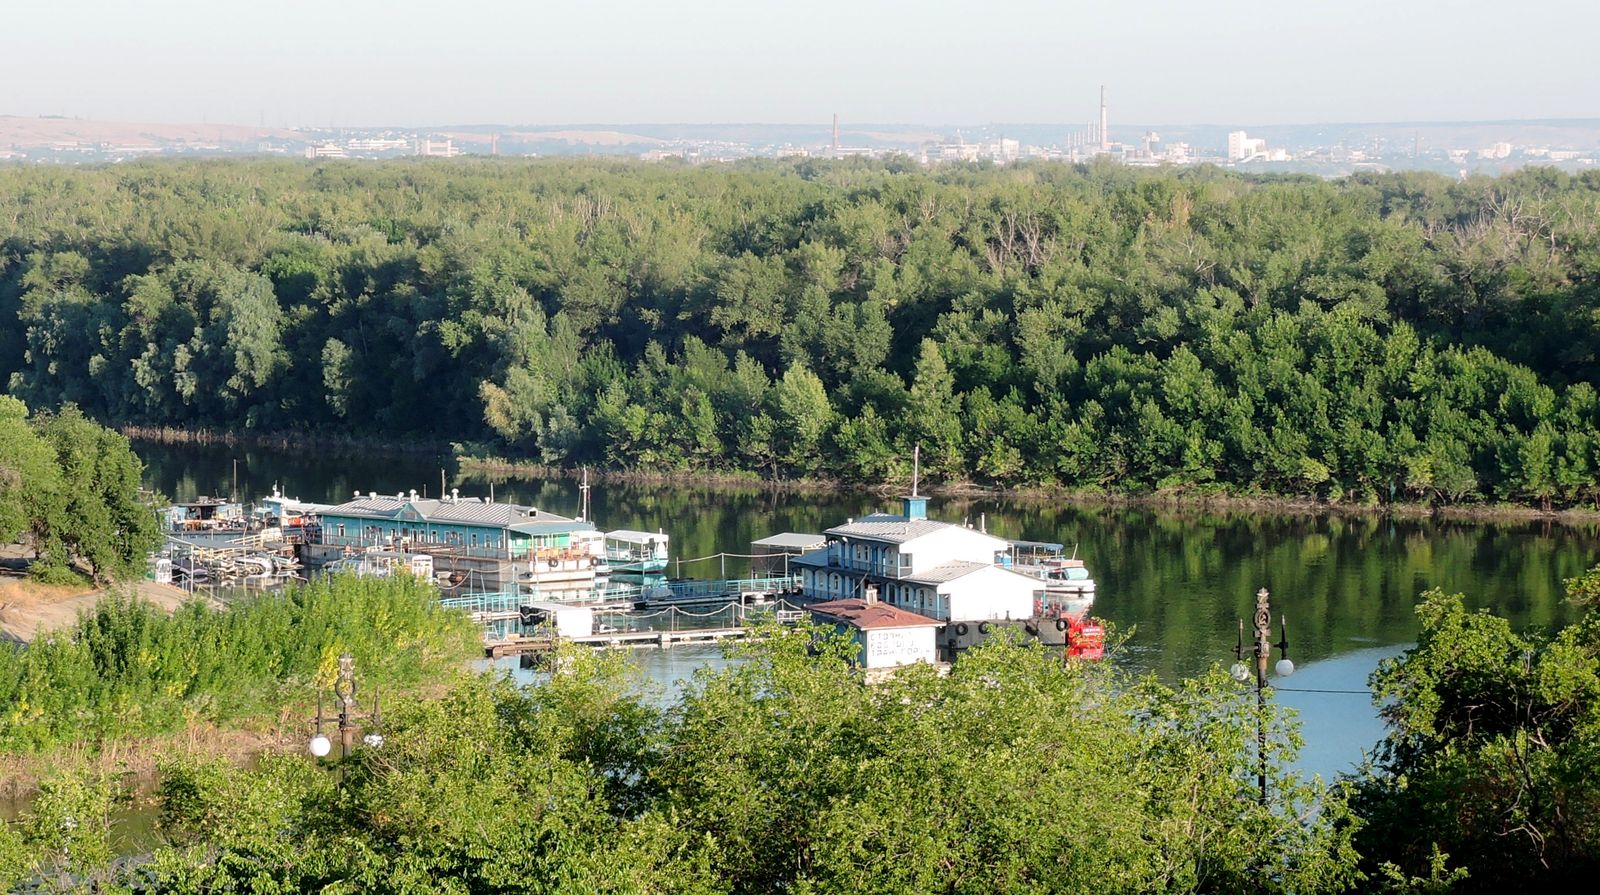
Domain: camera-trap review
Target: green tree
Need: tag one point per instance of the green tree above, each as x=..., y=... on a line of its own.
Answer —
x=933, y=413
x=1489, y=757
x=803, y=416
x=101, y=521
x=30, y=480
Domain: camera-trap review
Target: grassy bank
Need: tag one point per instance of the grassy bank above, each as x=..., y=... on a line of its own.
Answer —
x=129, y=670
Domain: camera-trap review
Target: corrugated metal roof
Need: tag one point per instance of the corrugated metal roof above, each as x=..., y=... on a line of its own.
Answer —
x=945, y=572
x=542, y=528
x=864, y=615
x=467, y=511
x=897, y=530
x=799, y=539
x=816, y=558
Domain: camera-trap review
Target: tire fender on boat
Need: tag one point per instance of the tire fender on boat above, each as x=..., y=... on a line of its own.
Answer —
x=983, y=627
x=1061, y=624
x=961, y=629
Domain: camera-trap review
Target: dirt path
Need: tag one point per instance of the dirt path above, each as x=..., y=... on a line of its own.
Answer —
x=28, y=608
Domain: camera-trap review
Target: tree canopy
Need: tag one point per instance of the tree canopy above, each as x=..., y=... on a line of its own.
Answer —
x=1489, y=764
x=783, y=772
x=1382, y=337
x=70, y=489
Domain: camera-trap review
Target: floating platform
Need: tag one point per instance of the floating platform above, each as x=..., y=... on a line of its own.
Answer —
x=518, y=644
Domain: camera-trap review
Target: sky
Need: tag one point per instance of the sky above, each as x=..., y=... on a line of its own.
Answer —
x=315, y=63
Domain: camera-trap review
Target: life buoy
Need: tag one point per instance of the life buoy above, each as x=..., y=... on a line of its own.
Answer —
x=961, y=629
x=1061, y=624
x=983, y=627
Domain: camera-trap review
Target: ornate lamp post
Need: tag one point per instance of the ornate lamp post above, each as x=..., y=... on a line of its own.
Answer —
x=1262, y=650
x=344, y=690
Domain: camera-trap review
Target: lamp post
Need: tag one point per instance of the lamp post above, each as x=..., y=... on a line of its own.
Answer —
x=1262, y=650
x=344, y=690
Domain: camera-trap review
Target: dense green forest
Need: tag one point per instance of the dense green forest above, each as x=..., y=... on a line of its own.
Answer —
x=1384, y=337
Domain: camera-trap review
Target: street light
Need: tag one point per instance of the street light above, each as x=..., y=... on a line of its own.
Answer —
x=344, y=690
x=1262, y=650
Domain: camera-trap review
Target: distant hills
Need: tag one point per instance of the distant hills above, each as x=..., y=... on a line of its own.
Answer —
x=26, y=135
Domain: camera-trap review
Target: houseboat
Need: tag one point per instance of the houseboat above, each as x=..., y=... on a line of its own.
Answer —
x=1065, y=586
x=966, y=580
x=636, y=555
x=476, y=545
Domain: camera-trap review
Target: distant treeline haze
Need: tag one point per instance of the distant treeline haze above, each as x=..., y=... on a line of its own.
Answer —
x=1385, y=337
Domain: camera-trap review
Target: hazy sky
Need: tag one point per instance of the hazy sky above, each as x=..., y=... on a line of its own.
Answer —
x=421, y=62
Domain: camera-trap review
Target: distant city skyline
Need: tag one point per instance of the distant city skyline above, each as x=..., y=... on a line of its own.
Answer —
x=409, y=62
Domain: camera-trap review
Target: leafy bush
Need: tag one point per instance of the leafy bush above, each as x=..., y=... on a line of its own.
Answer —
x=126, y=668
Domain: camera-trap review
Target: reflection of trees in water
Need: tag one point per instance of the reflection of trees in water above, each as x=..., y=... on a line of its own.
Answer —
x=1182, y=576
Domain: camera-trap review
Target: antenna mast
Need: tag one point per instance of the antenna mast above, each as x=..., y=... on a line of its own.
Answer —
x=916, y=468
x=583, y=489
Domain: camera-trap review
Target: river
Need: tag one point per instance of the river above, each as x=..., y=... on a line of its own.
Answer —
x=1177, y=581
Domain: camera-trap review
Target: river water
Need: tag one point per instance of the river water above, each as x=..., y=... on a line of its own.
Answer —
x=1178, y=581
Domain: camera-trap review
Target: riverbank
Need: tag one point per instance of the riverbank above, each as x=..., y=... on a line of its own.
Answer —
x=30, y=608
x=283, y=441
x=1177, y=500
x=471, y=466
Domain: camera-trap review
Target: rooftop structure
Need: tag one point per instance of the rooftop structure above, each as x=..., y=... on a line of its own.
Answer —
x=887, y=636
x=938, y=569
x=469, y=525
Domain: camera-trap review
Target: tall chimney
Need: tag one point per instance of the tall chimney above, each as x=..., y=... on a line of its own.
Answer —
x=1105, y=138
x=836, y=135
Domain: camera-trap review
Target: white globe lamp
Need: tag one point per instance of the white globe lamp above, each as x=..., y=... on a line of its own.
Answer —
x=320, y=746
x=1284, y=668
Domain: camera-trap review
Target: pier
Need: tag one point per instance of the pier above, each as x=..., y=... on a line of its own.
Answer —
x=521, y=644
x=507, y=634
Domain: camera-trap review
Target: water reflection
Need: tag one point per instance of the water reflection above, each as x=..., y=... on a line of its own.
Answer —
x=1179, y=579
x=1182, y=578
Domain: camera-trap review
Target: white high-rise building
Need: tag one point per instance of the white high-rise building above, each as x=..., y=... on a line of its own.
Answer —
x=1242, y=146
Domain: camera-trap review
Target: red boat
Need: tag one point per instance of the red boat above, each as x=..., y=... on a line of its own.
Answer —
x=1086, y=638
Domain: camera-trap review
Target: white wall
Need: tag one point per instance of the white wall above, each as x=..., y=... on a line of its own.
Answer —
x=951, y=544
x=990, y=593
x=574, y=621
x=892, y=647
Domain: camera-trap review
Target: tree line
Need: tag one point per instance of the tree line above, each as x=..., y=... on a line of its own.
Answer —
x=1380, y=338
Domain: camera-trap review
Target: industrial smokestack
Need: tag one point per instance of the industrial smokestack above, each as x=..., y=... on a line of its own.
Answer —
x=836, y=135
x=1105, y=134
